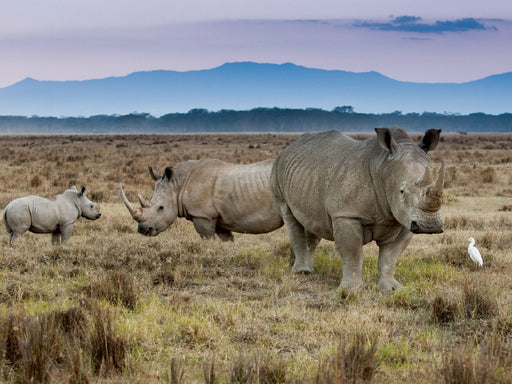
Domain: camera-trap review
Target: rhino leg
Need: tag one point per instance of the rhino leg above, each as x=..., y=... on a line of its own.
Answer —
x=13, y=236
x=205, y=227
x=348, y=237
x=388, y=256
x=224, y=234
x=300, y=241
x=65, y=233
x=56, y=238
x=312, y=241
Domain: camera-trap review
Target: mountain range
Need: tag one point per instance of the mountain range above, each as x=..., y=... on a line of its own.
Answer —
x=248, y=85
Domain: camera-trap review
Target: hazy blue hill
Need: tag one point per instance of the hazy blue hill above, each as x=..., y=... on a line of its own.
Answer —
x=247, y=85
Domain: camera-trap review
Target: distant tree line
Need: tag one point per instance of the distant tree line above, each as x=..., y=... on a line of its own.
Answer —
x=276, y=120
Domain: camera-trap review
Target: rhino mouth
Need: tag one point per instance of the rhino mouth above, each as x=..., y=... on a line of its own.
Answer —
x=147, y=231
x=426, y=228
x=95, y=217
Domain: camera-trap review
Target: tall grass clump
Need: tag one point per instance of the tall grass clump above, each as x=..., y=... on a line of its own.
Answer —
x=117, y=287
x=444, y=311
x=462, y=366
x=108, y=348
x=478, y=303
x=354, y=362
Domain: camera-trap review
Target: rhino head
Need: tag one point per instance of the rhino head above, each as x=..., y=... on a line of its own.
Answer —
x=157, y=215
x=412, y=191
x=89, y=209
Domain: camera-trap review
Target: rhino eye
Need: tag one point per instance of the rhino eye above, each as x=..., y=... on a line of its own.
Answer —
x=161, y=208
x=402, y=191
x=92, y=206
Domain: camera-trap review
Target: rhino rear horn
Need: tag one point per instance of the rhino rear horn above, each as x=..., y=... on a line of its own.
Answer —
x=143, y=202
x=438, y=186
x=134, y=212
x=426, y=179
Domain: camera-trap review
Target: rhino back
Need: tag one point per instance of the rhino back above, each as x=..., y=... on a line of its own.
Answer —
x=242, y=198
x=323, y=176
x=32, y=213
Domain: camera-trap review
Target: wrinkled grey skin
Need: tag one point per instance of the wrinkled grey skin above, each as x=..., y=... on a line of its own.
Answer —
x=54, y=215
x=218, y=197
x=329, y=186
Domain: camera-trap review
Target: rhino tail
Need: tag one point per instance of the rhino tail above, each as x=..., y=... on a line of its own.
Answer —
x=4, y=218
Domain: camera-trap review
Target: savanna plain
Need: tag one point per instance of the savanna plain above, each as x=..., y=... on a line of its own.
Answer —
x=113, y=306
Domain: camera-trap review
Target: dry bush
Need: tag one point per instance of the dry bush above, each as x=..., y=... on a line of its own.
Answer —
x=478, y=303
x=249, y=370
x=456, y=255
x=460, y=366
x=355, y=362
x=443, y=310
x=108, y=348
x=32, y=346
x=243, y=370
x=272, y=370
x=117, y=287
x=209, y=371
x=176, y=371
x=490, y=362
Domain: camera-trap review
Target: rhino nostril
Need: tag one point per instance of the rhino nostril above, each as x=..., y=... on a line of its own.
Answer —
x=414, y=227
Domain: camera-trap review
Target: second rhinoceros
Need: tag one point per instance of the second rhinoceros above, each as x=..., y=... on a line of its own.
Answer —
x=218, y=197
x=329, y=186
x=55, y=215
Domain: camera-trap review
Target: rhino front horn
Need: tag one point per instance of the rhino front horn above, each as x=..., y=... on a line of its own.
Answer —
x=435, y=191
x=136, y=213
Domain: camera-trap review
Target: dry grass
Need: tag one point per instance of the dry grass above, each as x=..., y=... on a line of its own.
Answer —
x=114, y=306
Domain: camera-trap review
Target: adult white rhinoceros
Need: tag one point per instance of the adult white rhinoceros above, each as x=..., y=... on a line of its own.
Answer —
x=329, y=186
x=218, y=197
x=55, y=215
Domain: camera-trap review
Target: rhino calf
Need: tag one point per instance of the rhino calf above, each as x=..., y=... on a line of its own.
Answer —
x=55, y=215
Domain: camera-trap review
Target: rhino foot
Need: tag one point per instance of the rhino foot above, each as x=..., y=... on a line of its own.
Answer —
x=389, y=285
x=302, y=269
x=351, y=284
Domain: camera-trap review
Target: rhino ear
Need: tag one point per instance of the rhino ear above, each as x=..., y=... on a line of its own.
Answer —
x=154, y=175
x=73, y=187
x=81, y=193
x=430, y=140
x=168, y=173
x=386, y=141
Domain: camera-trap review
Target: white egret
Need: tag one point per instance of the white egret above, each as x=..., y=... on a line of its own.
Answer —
x=474, y=253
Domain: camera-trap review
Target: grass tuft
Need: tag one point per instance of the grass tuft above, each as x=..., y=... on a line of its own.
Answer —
x=443, y=310
x=108, y=348
x=353, y=362
x=117, y=287
x=478, y=303
x=176, y=371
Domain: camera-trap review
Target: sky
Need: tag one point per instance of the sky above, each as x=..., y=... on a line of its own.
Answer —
x=437, y=41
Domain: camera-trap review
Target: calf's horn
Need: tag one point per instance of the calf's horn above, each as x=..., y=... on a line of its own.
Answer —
x=134, y=212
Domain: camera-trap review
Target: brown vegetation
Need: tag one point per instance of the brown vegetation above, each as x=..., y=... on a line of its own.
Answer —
x=114, y=306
